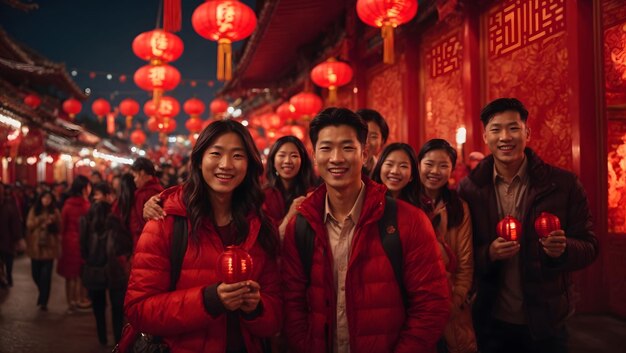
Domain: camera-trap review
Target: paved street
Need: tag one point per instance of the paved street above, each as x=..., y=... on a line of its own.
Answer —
x=23, y=328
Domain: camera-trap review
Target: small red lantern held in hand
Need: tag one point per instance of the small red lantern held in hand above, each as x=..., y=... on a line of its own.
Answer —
x=509, y=228
x=546, y=223
x=234, y=265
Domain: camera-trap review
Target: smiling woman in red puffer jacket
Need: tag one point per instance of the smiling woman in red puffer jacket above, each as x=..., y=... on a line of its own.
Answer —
x=222, y=202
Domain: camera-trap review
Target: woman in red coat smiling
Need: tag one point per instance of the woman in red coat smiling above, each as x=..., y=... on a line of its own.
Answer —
x=221, y=202
x=289, y=175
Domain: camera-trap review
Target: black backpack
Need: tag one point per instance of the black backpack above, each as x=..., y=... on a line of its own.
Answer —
x=389, y=236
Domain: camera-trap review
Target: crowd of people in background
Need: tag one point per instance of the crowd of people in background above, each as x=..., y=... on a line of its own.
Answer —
x=357, y=246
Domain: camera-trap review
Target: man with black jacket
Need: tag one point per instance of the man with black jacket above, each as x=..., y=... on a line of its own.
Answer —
x=523, y=287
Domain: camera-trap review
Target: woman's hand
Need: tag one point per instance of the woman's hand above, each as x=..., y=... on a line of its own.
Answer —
x=252, y=298
x=152, y=209
x=231, y=295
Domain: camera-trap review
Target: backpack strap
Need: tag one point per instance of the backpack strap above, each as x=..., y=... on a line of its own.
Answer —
x=305, y=240
x=390, y=238
x=179, y=247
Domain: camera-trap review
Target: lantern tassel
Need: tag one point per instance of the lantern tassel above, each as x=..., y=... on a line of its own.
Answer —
x=156, y=98
x=172, y=15
x=129, y=121
x=224, y=60
x=332, y=95
x=388, y=49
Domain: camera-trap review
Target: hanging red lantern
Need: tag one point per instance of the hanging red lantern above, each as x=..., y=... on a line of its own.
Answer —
x=234, y=265
x=387, y=15
x=306, y=104
x=138, y=137
x=224, y=21
x=157, y=78
x=218, y=106
x=168, y=108
x=168, y=125
x=32, y=100
x=158, y=46
x=286, y=111
x=509, y=228
x=72, y=107
x=101, y=107
x=294, y=130
x=546, y=223
x=271, y=121
x=153, y=124
x=194, y=125
x=331, y=74
x=128, y=108
x=194, y=107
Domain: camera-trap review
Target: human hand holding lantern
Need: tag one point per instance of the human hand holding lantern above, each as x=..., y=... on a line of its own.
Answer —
x=234, y=267
x=506, y=245
x=551, y=236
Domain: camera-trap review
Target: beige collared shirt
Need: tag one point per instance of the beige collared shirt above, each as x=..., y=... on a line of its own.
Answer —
x=340, y=234
x=510, y=196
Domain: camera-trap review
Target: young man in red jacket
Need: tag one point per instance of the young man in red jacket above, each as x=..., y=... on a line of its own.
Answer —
x=351, y=300
x=147, y=186
x=523, y=286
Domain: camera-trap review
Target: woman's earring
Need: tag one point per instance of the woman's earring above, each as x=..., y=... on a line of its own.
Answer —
x=276, y=172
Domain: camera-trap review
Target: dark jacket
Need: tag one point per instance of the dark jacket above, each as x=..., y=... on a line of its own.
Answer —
x=546, y=282
x=180, y=316
x=10, y=225
x=377, y=318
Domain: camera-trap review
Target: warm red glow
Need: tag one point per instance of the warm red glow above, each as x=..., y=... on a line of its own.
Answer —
x=509, y=228
x=158, y=45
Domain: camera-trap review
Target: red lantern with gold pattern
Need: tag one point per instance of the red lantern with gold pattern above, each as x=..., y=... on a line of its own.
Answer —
x=546, y=223
x=271, y=121
x=194, y=124
x=194, y=107
x=157, y=78
x=153, y=124
x=32, y=100
x=168, y=125
x=387, y=15
x=168, y=108
x=128, y=108
x=331, y=74
x=286, y=111
x=306, y=104
x=509, y=228
x=224, y=21
x=234, y=265
x=158, y=46
x=101, y=107
x=218, y=106
x=138, y=137
x=72, y=107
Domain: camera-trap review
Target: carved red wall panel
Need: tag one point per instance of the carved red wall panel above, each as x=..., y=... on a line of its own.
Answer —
x=527, y=58
x=346, y=98
x=385, y=93
x=613, y=12
x=616, y=148
x=615, y=64
x=442, y=55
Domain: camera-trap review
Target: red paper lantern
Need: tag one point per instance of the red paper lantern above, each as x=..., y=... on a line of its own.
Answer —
x=138, y=137
x=294, y=130
x=153, y=124
x=306, y=104
x=286, y=111
x=509, y=228
x=194, y=107
x=387, y=15
x=234, y=265
x=72, y=107
x=271, y=121
x=128, y=108
x=546, y=223
x=158, y=45
x=168, y=108
x=331, y=74
x=32, y=100
x=224, y=21
x=157, y=78
x=101, y=107
x=168, y=125
x=218, y=106
x=194, y=125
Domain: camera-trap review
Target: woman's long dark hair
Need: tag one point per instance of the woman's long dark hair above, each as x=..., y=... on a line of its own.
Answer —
x=302, y=182
x=410, y=192
x=78, y=185
x=247, y=197
x=38, y=208
x=94, y=222
x=126, y=199
x=454, y=207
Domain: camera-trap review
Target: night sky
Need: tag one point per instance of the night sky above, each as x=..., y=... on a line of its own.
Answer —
x=96, y=36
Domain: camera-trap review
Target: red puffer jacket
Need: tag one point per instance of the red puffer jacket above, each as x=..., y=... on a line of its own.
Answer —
x=70, y=261
x=151, y=188
x=274, y=205
x=179, y=316
x=377, y=319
